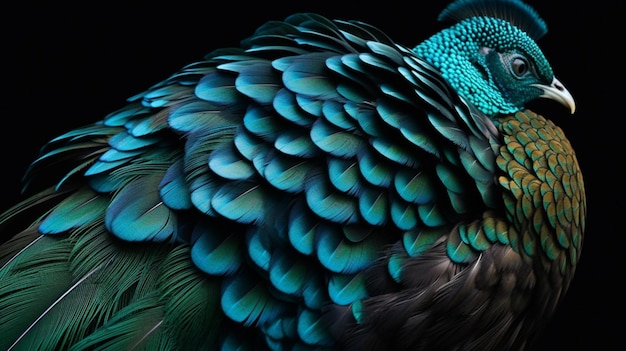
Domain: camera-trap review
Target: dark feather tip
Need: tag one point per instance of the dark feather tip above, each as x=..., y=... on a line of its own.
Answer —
x=516, y=12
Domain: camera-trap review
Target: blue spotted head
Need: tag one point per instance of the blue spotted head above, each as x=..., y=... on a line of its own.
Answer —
x=491, y=58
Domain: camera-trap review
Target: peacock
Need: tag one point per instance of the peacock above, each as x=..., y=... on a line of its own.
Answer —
x=319, y=187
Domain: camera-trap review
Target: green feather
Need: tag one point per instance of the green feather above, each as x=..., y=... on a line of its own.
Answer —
x=78, y=209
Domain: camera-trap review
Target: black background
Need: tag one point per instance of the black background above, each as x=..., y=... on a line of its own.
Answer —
x=65, y=66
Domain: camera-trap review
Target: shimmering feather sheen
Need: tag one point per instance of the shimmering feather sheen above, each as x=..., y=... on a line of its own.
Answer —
x=320, y=187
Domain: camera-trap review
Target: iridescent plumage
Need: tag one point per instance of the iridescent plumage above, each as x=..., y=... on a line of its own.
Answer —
x=320, y=187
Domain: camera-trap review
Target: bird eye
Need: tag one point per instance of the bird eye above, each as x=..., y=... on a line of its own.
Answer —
x=519, y=66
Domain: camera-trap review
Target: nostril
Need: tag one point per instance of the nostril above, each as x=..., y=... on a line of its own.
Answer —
x=558, y=85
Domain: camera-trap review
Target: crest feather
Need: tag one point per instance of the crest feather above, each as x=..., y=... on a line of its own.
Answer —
x=515, y=12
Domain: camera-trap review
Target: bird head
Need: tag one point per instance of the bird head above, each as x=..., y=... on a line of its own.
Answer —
x=491, y=58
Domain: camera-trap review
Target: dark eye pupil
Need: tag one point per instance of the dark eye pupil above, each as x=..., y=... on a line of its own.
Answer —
x=519, y=66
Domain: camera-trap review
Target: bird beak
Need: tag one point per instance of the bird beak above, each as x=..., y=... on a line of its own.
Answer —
x=557, y=92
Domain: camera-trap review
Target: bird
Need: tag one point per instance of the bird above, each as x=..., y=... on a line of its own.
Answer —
x=318, y=187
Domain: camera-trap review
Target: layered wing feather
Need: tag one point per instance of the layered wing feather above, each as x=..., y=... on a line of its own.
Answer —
x=288, y=192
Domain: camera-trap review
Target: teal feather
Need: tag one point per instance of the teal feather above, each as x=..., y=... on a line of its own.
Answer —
x=396, y=153
x=403, y=214
x=139, y=218
x=423, y=139
x=357, y=310
x=358, y=232
x=310, y=105
x=395, y=266
x=27, y=298
x=252, y=148
x=257, y=250
x=350, y=61
x=147, y=125
x=102, y=167
x=475, y=168
x=114, y=155
x=450, y=178
x=120, y=117
x=405, y=121
x=459, y=251
x=241, y=201
x=288, y=274
x=335, y=141
x=202, y=188
x=295, y=142
x=227, y=163
x=324, y=201
x=304, y=75
x=353, y=33
x=395, y=115
x=246, y=300
x=217, y=252
x=403, y=96
x=311, y=328
x=173, y=189
x=450, y=130
x=48, y=153
x=76, y=210
x=319, y=40
x=261, y=123
x=340, y=255
x=355, y=88
x=363, y=32
x=366, y=118
x=199, y=115
x=203, y=183
x=102, y=183
x=163, y=95
x=287, y=173
x=279, y=329
x=335, y=114
x=344, y=175
x=416, y=241
x=387, y=51
x=286, y=104
x=415, y=186
x=432, y=215
x=410, y=76
x=346, y=289
x=483, y=153
x=218, y=88
x=461, y=203
x=375, y=170
x=259, y=82
x=314, y=293
x=302, y=229
x=374, y=206
x=377, y=62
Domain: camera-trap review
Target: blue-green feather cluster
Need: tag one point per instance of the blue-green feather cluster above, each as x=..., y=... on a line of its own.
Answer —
x=319, y=167
x=305, y=158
